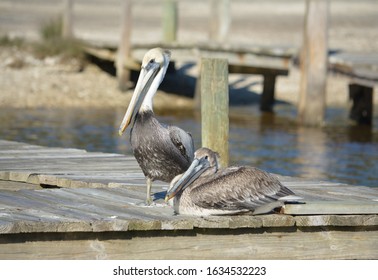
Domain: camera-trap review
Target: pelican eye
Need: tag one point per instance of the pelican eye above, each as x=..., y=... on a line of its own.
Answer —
x=152, y=61
x=206, y=157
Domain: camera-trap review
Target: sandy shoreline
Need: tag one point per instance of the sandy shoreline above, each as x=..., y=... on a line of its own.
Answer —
x=26, y=82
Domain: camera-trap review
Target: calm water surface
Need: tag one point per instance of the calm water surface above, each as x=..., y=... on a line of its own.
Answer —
x=338, y=152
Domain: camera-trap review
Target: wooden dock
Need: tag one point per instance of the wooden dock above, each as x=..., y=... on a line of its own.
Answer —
x=362, y=70
x=253, y=60
x=58, y=203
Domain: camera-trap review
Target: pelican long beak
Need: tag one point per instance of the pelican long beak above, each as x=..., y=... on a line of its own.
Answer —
x=197, y=167
x=146, y=77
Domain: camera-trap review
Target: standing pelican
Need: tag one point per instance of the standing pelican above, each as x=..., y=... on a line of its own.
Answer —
x=205, y=189
x=162, y=151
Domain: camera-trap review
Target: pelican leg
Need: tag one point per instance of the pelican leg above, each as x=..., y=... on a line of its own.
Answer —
x=148, y=199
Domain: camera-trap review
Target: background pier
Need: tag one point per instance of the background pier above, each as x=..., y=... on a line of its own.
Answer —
x=130, y=26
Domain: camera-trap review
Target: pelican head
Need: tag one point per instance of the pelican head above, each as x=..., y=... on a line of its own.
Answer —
x=205, y=163
x=154, y=65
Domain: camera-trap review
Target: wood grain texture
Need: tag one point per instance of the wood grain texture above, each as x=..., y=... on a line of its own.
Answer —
x=124, y=46
x=169, y=21
x=239, y=245
x=331, y=207
x=214, y=106
x=98, y=212
x=314, y=57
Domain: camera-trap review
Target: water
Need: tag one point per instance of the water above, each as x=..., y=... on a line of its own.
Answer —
x=338, y=152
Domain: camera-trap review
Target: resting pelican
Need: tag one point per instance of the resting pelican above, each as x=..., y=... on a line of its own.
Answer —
x=205, y=189
x=162, y=151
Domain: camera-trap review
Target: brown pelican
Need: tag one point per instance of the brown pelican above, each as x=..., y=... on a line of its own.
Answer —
x=162, y=151
x=205, y=189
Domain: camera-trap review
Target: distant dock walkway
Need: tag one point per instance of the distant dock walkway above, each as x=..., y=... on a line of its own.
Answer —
x=58, y=203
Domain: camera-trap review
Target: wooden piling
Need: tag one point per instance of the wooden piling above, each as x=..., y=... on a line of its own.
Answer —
x=67, y=29
x=362, y=106
x=267, y=97
x=124, y=47
x=214, y=106
x=220, y=20
x=311, y=107
x=169, y=21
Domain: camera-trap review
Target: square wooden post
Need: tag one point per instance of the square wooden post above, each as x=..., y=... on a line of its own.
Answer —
x=124, y=47
x=314, y=58
x=220, y=20
x=267, y=97
x=362, y=107
x=169, y=21
x=67, y=30
x=214, y=106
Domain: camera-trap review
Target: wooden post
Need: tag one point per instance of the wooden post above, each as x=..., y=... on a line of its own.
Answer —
x=267, y=97
x=197, y=88
x=362, y=107
x=214, y=106
x=314, y=57
x=220, y=20
x=169, y=21
x=67, y=30
x=124, y=47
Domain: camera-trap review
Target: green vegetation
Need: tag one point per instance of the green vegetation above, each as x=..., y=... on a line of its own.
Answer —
x=53, y=43
x=5, y=41
x=52, y=29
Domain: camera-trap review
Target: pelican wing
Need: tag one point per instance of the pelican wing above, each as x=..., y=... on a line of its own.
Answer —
x=238, y=188
x=183, y=141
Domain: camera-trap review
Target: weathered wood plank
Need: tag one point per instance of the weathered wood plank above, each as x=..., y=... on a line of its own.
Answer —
x=89, y=201
x=361, y=67
x=24, y=226
x=228, y=50
x=337, y=221
x=310, y=191
x=14, y=186
x=19, y=155
x=71, y=171
x=116, y=205
x=331, y=207
x=102, y=204
x=73, y=208
x=257, y=70
x=235, y=245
